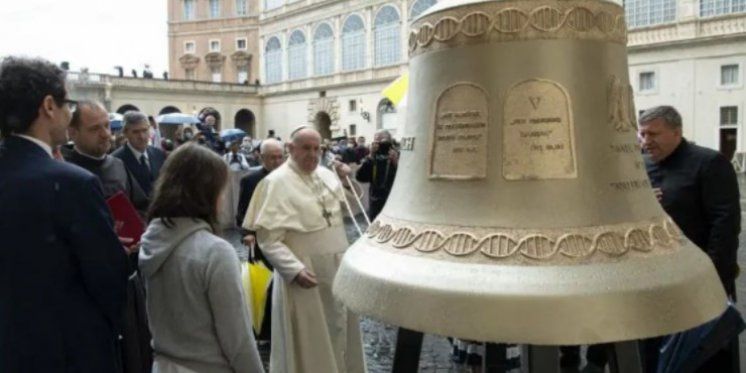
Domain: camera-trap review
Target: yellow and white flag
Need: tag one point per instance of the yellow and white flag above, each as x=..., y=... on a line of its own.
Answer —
x=396, y=92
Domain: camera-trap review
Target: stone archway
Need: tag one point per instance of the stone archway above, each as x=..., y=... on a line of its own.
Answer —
x=386, y=118
x=323, y=123
x=246, y=121
x=330, y=108
x=127, y=107
x=169, y=110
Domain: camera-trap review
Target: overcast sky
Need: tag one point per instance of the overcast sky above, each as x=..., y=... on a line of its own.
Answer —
x=98, y=34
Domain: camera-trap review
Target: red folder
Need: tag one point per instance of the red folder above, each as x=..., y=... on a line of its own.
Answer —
x=127, y=222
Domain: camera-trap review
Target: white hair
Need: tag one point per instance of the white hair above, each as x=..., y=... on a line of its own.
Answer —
x=263, y=148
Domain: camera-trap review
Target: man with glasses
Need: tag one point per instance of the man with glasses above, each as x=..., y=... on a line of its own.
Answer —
x=63, y=270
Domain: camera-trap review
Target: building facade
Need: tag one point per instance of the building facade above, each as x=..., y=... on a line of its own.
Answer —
x=327, y=61
x=330, y=60
x=232, y=104
x=214, y=40
x=691, y=54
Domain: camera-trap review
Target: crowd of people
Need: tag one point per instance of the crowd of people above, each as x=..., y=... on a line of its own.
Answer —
x=170, y=300
x=80, y=296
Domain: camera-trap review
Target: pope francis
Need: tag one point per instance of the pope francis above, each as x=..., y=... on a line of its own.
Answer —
x=296, y=212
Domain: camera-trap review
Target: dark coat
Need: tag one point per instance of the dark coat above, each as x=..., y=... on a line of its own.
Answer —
x=380, y=173
x=700, y=193
x=63, y=272
x=145, y=178
x=377, y=170
x=248, y=186
x=135, y=344
x=114, y=177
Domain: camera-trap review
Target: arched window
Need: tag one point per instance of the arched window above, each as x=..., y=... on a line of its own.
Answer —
x=214, y=8
x=189, y=10
x=420, y=6
x=386, y=116
x=323, y=50
x=241, y=9
x=353, y=43
x=297, y=55
x=386, y=32
x=273, y=61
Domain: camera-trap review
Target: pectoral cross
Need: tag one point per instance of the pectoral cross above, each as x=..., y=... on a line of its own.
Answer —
x=327, y=216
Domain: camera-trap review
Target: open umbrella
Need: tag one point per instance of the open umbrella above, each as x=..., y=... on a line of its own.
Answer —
x=232, y=134
x=115, y=121
x=177, y=118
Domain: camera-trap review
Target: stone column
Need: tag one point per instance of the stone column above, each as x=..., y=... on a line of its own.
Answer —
x=369, y=42
x=404, y=33
x=308, y=31
x=260, y=66
x=337, y=25
x=284, y=39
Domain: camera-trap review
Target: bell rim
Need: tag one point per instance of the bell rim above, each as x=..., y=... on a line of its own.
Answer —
x=416, y=293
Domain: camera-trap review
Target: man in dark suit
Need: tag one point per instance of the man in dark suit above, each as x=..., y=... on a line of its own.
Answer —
x=698, y=188
x=142, y=160
x=272, y=157
x=63, y=270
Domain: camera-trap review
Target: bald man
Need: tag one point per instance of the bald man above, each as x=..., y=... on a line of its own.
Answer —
x=297, y=216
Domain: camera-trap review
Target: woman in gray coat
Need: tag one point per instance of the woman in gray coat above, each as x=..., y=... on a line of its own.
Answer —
x=195, y=301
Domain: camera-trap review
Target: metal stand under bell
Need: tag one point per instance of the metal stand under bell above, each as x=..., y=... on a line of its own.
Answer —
x=624, y=357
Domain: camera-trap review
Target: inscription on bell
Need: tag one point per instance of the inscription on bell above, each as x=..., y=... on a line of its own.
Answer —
x=459, y=140
x=538, y=132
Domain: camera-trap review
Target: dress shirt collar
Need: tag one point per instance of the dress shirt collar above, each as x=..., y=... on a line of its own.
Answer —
x=138, y=153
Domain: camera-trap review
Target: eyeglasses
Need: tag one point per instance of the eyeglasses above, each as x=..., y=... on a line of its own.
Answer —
x=72, y=105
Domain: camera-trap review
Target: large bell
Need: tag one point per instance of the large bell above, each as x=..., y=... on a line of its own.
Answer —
x=521, y=211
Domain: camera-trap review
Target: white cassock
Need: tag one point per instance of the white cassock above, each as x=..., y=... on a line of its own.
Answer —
x=298, y=220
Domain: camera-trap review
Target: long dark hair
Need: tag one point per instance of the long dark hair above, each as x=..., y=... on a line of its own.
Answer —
x=189, y=186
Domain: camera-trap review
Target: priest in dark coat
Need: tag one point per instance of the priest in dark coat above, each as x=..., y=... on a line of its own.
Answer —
x=91, y=134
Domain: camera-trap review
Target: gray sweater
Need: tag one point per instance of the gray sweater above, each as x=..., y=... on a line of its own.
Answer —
x=195, y=301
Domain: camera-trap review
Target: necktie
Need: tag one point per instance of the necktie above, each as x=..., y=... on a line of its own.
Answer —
x=144, y=162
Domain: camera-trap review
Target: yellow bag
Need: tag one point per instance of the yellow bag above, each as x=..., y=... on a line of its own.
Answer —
x=256, y=278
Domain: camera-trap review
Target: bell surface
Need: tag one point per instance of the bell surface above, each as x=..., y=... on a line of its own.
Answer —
x=521, y=211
